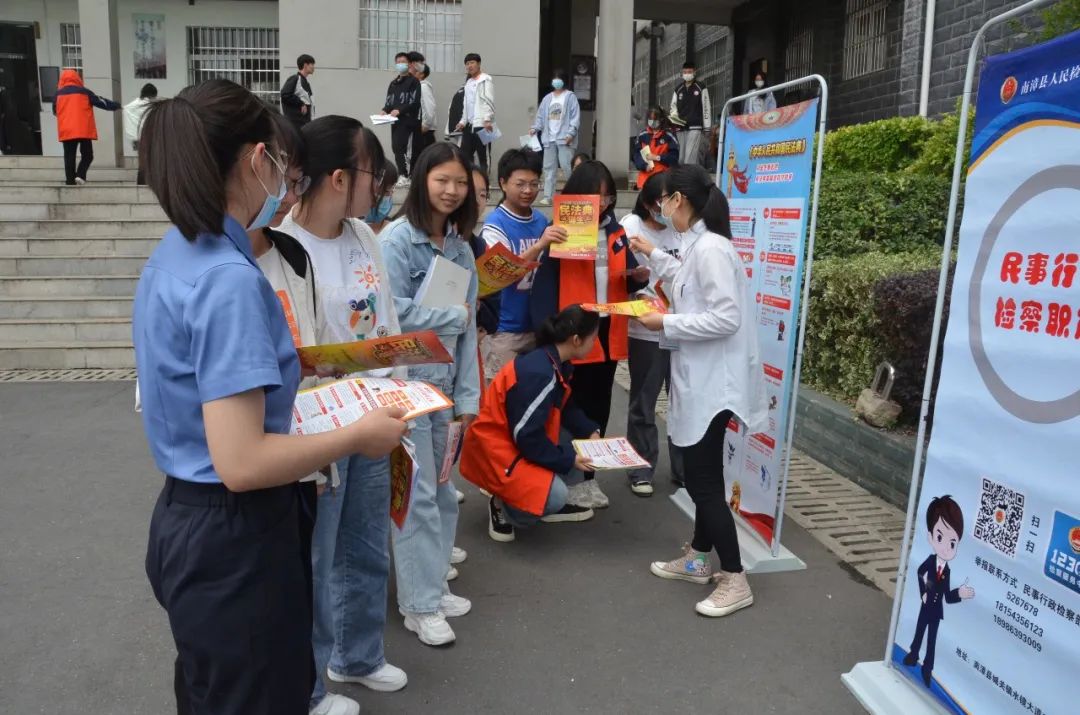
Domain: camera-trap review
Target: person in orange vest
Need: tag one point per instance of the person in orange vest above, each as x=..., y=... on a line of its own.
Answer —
x=74, y=110
x=513, y=450
x=656, y=150
x=612, y=278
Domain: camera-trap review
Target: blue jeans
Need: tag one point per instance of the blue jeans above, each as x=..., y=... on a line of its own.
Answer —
x=556, y=500
x=556, y=156
x=351, y=564
x=422, y=546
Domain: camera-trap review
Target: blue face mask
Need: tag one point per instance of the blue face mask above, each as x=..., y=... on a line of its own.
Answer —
x=380, y=211
x=401, y=67
x=556, y=84
x=272, y=202
x=659, y=218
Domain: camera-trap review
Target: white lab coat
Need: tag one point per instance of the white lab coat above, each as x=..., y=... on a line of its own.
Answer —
x=716, y=366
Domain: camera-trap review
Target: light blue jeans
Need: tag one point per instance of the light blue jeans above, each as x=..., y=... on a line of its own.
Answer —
x=556, y=156
x=422, y=547
x=556, y=500
x=351, y=567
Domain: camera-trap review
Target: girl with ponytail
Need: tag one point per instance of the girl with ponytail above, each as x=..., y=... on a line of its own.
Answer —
x=229, y=548
x=716, y=374
x=513, y=449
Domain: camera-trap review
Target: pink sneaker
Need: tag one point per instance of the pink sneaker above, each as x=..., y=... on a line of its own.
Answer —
x=692, y=566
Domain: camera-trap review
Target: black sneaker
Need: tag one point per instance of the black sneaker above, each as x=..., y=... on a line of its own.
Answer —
x=570, y=512
x=499, y=528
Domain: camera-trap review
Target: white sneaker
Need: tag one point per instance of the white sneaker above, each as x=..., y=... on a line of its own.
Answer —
x=402, y=182
x=430, y=628
x=452, y=574
x=579, y=495
x=599, y=499
x=458, y=556
x=79, y=181
x=544, y=202
x=460, y=496
x=453, y=606
x=336, y=705
x=387, y=679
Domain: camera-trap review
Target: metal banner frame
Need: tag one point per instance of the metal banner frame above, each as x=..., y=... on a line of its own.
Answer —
x=877, y=685
x=758, y=556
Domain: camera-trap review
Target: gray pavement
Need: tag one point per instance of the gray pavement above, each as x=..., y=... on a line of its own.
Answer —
x=567, y=619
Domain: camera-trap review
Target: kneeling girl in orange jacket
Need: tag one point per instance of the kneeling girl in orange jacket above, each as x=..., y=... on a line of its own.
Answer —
x=513, y=449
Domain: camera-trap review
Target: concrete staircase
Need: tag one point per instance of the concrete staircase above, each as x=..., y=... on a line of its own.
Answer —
x=70, y=258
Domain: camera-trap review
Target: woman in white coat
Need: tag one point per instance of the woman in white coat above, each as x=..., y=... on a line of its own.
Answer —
x=715, y=372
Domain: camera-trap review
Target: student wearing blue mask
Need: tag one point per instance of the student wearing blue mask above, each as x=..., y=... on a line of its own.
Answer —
x=227, y=555
x=350, y=549
x=403, y=102
x=379, y=215
x=649, y=360
x=557, y=123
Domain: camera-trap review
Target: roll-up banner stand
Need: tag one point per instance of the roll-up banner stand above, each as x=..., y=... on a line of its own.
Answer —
x=767, y=169
x=986, y=618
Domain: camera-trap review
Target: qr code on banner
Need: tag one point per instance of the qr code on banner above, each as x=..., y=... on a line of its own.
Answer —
x=1001, y=515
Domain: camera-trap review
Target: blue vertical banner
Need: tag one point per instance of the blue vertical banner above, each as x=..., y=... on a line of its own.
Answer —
x=990, y=612
x=766, y=162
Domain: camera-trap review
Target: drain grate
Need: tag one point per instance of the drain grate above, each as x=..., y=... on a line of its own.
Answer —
x=67, y=375
x=863, y=530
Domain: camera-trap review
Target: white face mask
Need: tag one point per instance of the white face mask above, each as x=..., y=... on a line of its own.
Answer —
x=688, y=76
x=663, y=203
x=759, y=83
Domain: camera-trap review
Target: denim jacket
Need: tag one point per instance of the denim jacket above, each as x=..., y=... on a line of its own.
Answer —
x=571, y=120
x=408, y=252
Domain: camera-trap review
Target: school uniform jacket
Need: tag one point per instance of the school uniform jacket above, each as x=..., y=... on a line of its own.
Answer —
x=560, y=283
x=512, y=449
x=74, y=108
x=663, y=145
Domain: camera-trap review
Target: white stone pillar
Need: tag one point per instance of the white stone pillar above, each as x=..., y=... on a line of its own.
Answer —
x=615, y=59
x=101, y=75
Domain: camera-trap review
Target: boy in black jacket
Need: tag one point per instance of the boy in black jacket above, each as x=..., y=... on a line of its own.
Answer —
x=296, y=94
x=403, y=102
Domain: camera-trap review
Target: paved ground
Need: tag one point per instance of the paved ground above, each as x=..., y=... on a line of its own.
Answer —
x=565, y=620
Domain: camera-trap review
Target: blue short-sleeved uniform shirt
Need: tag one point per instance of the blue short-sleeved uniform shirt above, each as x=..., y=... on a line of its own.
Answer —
x=207, y=325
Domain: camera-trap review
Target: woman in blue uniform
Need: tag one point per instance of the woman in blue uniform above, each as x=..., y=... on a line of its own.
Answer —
x=218, y=372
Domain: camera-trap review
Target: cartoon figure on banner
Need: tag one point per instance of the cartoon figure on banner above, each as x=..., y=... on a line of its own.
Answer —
x=363, y=316
x=736, y=175
x=730, y=453
x=945, y=528
x=766, y=478
x=736, y=497
x=785, y=285
x=780, y=331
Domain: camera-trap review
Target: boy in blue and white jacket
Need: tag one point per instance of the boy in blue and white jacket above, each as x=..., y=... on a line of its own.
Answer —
x=557, y=122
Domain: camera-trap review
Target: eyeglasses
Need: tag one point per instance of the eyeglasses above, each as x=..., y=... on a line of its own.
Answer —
x=522, y=185
x=299, y=186
x=376, y=176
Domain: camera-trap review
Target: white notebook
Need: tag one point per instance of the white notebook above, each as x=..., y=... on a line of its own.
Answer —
x=445, y=284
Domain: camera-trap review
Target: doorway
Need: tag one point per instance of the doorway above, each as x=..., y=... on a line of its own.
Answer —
x=20, y=102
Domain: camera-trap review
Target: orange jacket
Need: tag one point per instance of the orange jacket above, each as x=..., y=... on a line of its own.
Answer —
x=662, y=145
x=74, y=108
x=512, y=449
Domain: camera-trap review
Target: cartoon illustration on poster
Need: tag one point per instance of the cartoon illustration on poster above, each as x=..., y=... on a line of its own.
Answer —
x=992, y=625
x=766, y=178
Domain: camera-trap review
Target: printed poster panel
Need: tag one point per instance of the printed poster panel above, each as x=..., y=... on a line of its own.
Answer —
x=767, y=168
x=990, y=616
x=580, y=216
x=423, y=348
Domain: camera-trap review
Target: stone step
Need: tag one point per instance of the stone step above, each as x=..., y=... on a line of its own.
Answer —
x=66, y=355
x=99, y=193
x=83, y=229
x=82, y=286
x=77, y=246
x=53, y=307
x=48, y=162
x=80, y=212
x=30, y=266
x=56, y=174
x=81, y=330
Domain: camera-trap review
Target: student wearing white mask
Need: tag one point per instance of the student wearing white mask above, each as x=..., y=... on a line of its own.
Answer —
x=557, y=123
x=762, y=102
x=716, y=373
x=691, y=110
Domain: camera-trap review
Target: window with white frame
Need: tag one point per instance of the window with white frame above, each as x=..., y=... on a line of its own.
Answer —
x=865, y=40
x=799, y=55
x=71, y=45
x=431, y=27
x=246, y=55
